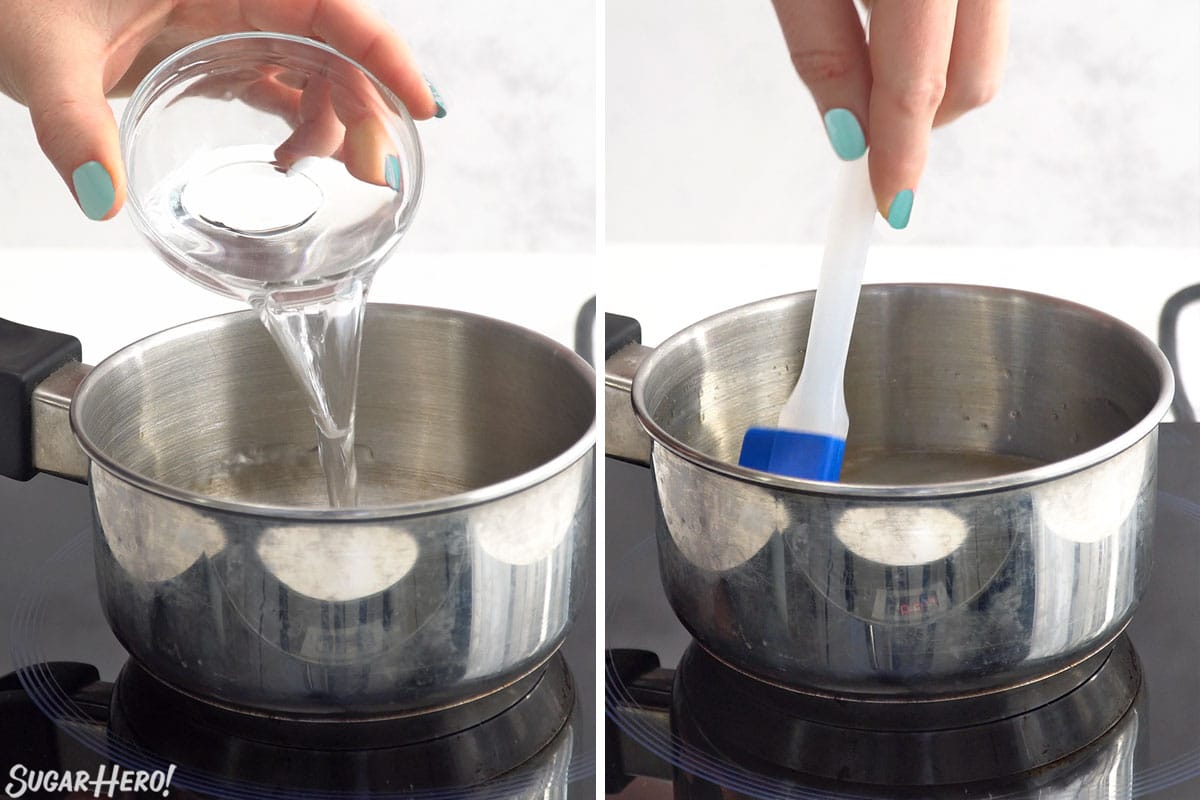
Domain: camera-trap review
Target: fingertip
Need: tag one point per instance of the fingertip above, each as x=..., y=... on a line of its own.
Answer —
x=439, y=105
x=899, y=146
x=76, y=130
x=845, y=134
x=95, y=190
x=899, y=209
x=424, y=101
x=391, y=172
x=366, y=153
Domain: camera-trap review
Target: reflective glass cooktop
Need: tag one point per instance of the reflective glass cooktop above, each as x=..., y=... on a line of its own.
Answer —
x=697, y=737
x=63, y=717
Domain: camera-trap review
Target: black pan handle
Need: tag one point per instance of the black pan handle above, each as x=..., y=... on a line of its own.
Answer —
x=635, y=686
x=1168, y=333
x=27, y=357
x=618, y=332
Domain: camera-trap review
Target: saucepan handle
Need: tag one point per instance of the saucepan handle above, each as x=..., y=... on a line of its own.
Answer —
x=624, y=437
x=585, y=322
x=1168, y=334
x=39, y=372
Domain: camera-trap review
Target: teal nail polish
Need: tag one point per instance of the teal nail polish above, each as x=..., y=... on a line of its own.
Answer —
x=900, y=209
x=437, y=98
x=94, y=188
x=845, y=134
x=391, y=172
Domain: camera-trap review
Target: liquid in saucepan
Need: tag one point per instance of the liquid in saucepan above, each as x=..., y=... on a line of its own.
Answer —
x=882, y=468
x=292, y=475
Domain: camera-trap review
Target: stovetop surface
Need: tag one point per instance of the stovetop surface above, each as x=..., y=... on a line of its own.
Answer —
x=1165, y=631
x=49, y=612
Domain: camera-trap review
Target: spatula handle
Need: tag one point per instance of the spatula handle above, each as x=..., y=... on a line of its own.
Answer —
x=818, y=404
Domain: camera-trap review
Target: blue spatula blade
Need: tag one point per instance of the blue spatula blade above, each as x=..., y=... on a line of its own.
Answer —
x=797, y=455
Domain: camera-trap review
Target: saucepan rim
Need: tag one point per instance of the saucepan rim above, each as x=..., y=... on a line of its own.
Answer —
x=565, y=459
x=1041, y=474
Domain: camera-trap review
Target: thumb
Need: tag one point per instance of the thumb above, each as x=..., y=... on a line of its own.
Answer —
x=77, y=132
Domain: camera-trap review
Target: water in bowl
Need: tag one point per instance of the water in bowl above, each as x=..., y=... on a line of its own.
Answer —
x=274, y=236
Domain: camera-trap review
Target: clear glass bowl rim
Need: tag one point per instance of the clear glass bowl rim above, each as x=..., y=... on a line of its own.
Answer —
x=164, y=74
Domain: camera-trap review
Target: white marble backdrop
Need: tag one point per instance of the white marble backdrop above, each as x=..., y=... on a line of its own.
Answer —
x=511, y=168
x=1094, y=138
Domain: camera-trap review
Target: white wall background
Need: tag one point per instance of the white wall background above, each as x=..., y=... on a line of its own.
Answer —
x=1093, y=141
x=1094, y=138
x=510, y=168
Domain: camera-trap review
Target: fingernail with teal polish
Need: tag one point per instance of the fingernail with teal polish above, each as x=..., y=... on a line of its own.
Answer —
x=900, y=209
x=437, y=98
x=94, y=188
x=845, y=134
x=391, y=172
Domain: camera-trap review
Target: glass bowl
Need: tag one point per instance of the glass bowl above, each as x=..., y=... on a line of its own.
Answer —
x=267, y=164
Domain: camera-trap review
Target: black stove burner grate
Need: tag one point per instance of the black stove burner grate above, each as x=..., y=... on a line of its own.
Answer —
x=721, y=728
x=139, y=723
x=778, y=731
x=464, y=745
x=1152, y=751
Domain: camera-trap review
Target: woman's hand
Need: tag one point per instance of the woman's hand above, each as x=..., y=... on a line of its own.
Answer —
x=928, y=62
x=62, y=57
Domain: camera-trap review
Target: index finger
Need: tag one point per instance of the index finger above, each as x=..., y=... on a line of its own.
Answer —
x=910, y=54
x=829, y=51
x=358, y=33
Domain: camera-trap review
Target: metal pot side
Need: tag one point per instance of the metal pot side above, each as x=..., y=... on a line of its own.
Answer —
x=953, y=582
x=460, y=574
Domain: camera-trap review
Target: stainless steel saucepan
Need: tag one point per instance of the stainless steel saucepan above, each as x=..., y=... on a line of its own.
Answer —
x=998, y=497
x=219, y=567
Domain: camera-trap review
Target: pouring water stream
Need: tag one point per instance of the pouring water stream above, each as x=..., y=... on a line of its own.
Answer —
x=252, y=207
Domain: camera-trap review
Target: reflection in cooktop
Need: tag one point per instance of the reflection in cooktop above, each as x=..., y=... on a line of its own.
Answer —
x=1152, y=750
x=49, y=598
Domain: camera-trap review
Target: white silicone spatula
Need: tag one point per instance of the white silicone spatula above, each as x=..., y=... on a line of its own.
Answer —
x=810, y=438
